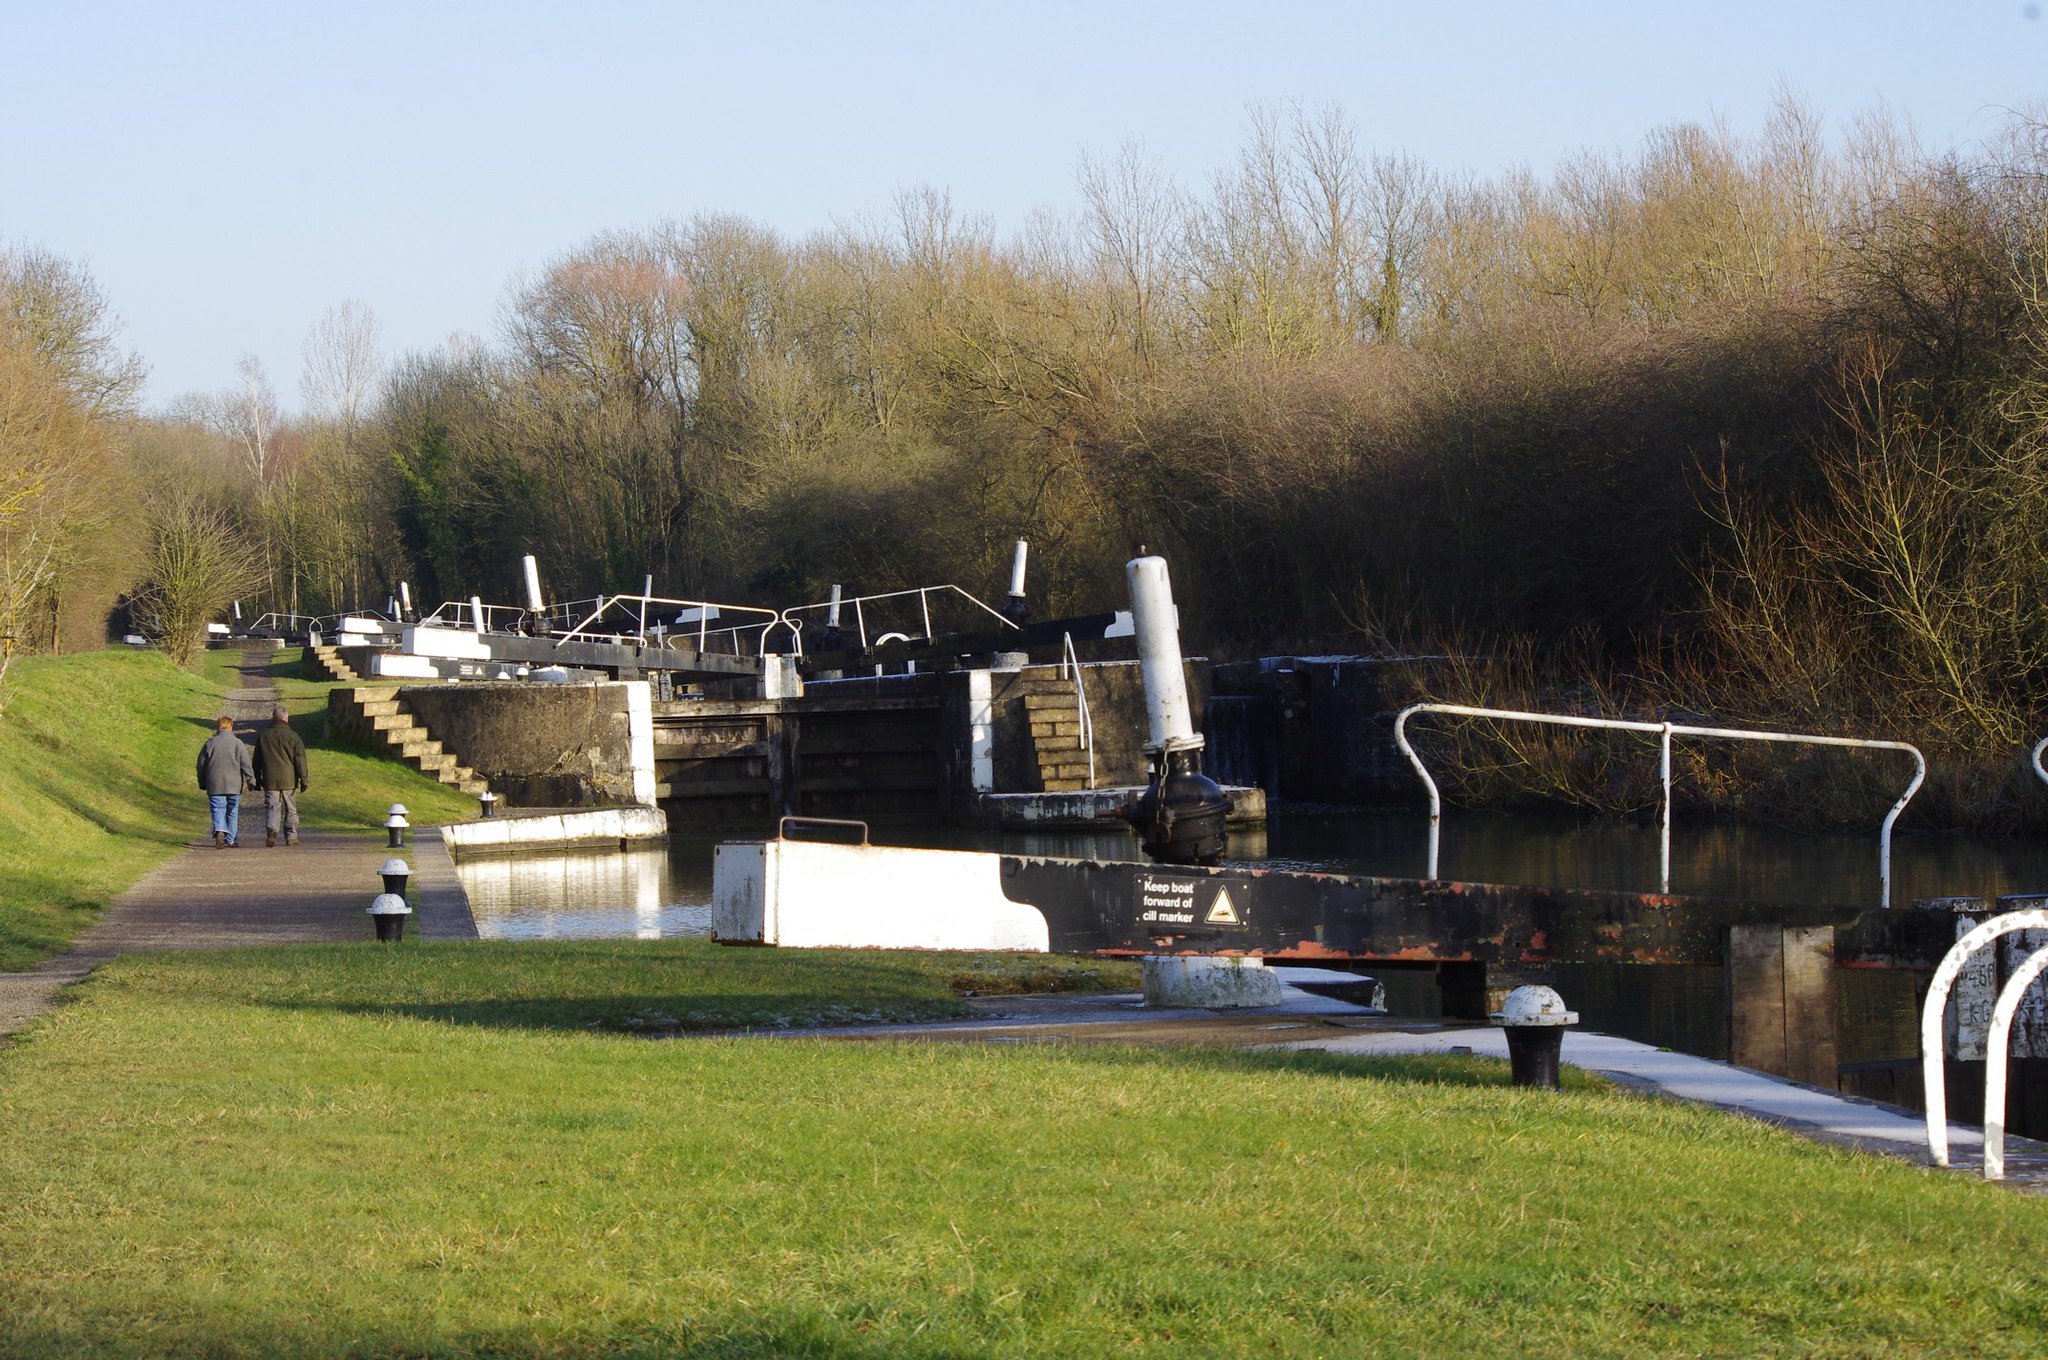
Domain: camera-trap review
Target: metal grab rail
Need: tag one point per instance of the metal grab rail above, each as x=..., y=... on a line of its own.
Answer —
x=787, y=824
x=1998, y=1057
x=2039, y=746
x=1068, y=658
x=1665, y=732
x=1933, y=1076
x=923, y=593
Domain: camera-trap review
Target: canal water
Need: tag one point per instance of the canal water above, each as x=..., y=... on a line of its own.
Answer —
x=665, y=892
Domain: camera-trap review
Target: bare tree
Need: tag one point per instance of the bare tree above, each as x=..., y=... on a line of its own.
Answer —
x=55, y=311
x=343, y=366
x=197, y=563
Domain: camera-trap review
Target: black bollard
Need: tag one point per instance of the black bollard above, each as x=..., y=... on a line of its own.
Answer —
x=1534, y=1020
x=388, y=911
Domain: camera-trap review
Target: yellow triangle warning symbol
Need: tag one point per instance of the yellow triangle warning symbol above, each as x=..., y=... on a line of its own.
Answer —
x=1223, y=911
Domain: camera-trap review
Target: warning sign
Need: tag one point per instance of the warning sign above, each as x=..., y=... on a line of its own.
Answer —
x=1222, y=911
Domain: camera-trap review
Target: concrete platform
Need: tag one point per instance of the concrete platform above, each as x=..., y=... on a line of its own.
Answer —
x=555, y=829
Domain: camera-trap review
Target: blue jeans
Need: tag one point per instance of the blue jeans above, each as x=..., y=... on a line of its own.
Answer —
x=227, y=812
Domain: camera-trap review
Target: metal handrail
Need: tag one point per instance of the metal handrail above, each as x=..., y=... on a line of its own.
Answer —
x=2039, y=746
x=1665, y=732
x=1933, y=1075
x=604, y=603
x=923, y=593
x=460, y=614
x=1068, y=657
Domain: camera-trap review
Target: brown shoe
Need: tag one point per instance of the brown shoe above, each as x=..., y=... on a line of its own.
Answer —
x=220, y=840
x=269, y=838
x=291, y=838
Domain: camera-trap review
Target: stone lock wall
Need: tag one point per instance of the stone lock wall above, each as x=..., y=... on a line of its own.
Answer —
x=546, y=745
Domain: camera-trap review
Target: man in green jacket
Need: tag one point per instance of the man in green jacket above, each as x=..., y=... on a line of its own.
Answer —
x=281, y=774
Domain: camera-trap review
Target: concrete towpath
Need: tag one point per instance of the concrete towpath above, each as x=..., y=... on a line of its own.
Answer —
x=205, y=898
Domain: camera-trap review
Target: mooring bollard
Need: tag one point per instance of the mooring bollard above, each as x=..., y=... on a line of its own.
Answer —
x=1534, y=1019
x=487, y=804
x=396, y=825
x=394, y=873
x=389, y=911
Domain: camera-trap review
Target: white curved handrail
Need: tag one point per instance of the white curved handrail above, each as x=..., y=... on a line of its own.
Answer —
x=1665, y=731
x=1933, y=1079
x=1998, y=1056
x=1070, y=665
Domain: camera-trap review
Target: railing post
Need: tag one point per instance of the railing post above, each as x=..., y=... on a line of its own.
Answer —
x=1664, y=770
x=1436, y=805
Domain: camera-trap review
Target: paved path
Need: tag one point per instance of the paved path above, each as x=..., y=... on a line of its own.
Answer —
x=207, y=898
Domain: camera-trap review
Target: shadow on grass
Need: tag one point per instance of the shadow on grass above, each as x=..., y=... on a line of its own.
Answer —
x=766, y=1019
x=231, y=1329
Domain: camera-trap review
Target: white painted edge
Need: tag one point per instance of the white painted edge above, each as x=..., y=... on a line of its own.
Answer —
x=814, y=895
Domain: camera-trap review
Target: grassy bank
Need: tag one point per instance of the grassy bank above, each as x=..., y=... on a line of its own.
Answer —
x=301, y=1155
x=96, y=785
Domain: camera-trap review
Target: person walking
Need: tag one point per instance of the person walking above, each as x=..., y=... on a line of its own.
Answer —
x=281, y=774
x=224, y=771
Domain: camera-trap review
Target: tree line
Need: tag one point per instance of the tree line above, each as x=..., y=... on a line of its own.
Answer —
x=1743, y=426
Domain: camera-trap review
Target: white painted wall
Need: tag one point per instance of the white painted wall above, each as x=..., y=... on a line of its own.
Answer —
x=807, y=894
x=640, y=735
x=981, y=730
x=454, y=643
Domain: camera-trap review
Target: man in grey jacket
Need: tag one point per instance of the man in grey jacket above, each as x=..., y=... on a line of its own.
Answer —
x=224, y=771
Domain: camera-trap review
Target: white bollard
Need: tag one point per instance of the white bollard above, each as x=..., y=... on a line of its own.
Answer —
x=1159, y=660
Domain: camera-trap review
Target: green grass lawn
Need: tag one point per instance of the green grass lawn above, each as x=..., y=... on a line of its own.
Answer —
x=300, y=1152
x=96, y=783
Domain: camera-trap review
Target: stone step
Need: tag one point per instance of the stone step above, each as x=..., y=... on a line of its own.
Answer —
x=1048, y=771
x=472, y=787
x=1050, y=746
x=1063, y=785
x=422, y=747
x=378, y=708
x=394, y=723
x=433, y=764
x=1055, y=728
x=372, y=694
x=1060, y=698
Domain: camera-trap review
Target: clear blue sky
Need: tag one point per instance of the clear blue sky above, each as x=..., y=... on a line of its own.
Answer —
x=229, y=171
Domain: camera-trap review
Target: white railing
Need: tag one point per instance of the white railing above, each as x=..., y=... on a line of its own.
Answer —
x=1665, y=732
x=1933, y=1077
x=861, y=603
x=497, y=618
x=1070, y=663
x=634, y=609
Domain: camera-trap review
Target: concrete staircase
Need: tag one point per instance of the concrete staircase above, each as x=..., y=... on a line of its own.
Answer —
x=374, y=714
x=324, y=663
x=1054, y=710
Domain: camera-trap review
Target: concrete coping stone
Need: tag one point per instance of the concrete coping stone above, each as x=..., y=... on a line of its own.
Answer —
x=547, y=830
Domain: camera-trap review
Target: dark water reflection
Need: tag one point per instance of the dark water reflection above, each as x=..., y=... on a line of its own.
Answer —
x=661, y=893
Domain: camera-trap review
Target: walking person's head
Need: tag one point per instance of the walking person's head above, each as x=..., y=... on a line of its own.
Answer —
x=281, y=716
x=224, y=722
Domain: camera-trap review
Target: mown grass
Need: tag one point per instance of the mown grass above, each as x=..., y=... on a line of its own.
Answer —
x=302, y=1156
x=96, y=784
